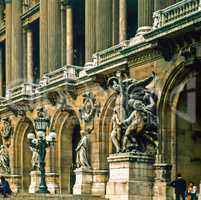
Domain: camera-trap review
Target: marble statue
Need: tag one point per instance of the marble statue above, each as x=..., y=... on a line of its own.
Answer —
x=136, y=123
x=4, y=159
x=35, y=156
x=116, y=130
x=82, y=150
x=134, y=120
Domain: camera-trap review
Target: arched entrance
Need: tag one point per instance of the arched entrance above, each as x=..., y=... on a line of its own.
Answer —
x=188, y=129
x=105, y=129
x=22, y=153
x=180, y=122
x=68, y=135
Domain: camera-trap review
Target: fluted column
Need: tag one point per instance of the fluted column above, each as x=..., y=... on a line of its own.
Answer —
x=115, y=22
x=90, y=29
x=8, y=43
x=1, y=72
x=43, y=37
x=69, y=35
x=29, y=55
x=63, y=32
x=103, y=24
x=17, y=47
x=145, y=13
x=54, y=35
x=122, y=20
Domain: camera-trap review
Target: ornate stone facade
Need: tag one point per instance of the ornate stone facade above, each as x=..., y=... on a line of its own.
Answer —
x=135, y=97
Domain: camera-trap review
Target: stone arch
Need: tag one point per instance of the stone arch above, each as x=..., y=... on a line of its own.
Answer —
x=105, y=128
x=167, y=106
x=67, y=127
x=21, y=153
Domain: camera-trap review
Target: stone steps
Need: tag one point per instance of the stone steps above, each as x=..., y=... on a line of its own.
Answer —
x=27, y=196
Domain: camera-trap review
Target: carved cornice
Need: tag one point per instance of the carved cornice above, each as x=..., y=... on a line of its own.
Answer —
x=144, y=57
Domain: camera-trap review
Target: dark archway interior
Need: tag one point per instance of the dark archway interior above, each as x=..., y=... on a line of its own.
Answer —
x=70, y=136
x=188, y=142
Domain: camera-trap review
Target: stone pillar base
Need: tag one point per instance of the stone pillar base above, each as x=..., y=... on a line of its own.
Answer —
x=199, y=196
x=142, y=30
x=52, y=183
x=99, y=182
x=15, y=182
x=131, y=176
x=162, y=191
x=83, y=181
x=35, y=180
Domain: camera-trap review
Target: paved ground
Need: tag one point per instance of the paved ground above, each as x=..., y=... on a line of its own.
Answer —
x=25, y=196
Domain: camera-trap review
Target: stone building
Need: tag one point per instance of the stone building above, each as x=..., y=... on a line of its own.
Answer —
x=60, y=54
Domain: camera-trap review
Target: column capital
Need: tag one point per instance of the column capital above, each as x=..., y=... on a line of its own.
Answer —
x=27, y=26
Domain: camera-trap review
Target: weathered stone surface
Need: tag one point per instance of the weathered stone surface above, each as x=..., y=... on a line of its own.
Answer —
x=35, y=180
x=131, y=176
x=83, y=181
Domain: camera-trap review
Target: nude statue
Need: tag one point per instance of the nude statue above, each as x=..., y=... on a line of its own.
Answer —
x=135, y=122
x=116, y=130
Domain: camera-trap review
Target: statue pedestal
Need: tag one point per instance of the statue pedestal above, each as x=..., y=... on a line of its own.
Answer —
x=83, y=183
x=52, y=183
x=35, y=181
x=131, y=176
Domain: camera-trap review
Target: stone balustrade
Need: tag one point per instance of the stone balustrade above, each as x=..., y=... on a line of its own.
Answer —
x=64, y=75
x=23, y=89
x=66, y=72
x=110, y=53
x=175, y=12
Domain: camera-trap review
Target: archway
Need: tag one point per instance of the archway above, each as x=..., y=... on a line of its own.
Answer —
x=68, y=128
x=22, y=153
x=105, y=129
x=188, y=129
x=179, y=134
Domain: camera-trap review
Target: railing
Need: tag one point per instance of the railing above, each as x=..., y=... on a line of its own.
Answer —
x=108, y=54
x=65, y=73
x=175, y=12
x=23, y=89
x=28, y=4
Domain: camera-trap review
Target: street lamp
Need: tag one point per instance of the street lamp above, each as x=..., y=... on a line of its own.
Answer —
x=40, y=143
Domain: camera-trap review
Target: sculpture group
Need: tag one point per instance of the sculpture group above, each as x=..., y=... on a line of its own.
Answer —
x=134, y=119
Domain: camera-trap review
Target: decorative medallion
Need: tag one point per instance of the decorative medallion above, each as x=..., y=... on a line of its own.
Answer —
x=90, y=107
x=6, y=129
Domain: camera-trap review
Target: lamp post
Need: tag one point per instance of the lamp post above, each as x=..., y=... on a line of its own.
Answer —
x=40, y=143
